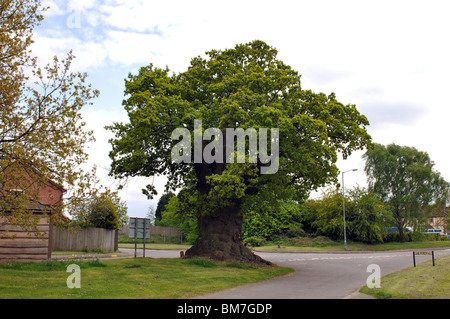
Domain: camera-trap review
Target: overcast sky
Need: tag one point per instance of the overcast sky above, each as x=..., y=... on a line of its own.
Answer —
x=390, y=58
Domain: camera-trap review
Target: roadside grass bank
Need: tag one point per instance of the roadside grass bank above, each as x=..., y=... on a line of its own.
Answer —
x=156, y=246
x=353, y=246
x=421, y=282
x=129, y=278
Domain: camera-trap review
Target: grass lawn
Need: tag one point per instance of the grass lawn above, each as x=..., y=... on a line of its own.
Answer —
x=134, y=278
x=421, y=282
x=156, y=246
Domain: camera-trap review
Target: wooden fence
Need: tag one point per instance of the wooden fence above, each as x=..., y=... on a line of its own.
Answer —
x=157, y=230
x=89, y=239
x=19, y=245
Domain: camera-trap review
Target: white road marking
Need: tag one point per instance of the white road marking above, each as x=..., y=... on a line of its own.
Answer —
x=343, y=258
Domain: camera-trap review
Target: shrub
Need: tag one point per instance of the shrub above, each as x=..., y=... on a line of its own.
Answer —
x=104, y=210
x=254, y=241
x=412, y=236
x=416, y=236
x=391, y=237
x=295, y=231
x=321, y=241
x=435, y=237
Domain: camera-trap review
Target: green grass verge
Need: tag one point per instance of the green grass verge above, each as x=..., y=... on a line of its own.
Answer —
x=339, y=246
x=133, y=278
x=156, y=246
x=421, y=282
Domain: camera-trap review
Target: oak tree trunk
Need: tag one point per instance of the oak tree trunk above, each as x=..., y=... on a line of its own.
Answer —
x=219, y=233
x=220, y=238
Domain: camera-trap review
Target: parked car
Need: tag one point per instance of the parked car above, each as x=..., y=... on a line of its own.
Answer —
x=395, y=229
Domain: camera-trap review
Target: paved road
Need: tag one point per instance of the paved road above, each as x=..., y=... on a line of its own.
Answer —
x=322, y=275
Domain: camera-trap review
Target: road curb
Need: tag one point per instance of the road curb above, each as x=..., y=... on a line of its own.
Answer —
x=92, y=256
x=358, y=295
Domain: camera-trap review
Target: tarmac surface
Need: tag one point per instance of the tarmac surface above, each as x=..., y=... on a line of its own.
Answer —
x=325, y=275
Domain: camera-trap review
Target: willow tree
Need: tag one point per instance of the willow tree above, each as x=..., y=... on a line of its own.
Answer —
x=235, y=129
x=406, y=180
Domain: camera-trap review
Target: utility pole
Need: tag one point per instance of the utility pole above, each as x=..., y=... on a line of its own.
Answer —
x=343, y=204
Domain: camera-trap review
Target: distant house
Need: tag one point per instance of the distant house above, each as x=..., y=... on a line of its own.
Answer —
x=38, y=198
x=440, y=218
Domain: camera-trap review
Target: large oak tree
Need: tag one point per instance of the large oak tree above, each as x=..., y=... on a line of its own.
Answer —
x=243, y=87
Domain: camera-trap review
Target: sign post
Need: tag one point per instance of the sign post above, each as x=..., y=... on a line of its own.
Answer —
x=143, y=249
x=139, y=228
x=135, y=240
x=423, y=253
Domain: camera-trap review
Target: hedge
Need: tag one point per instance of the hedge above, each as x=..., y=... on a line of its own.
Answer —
x=411, y=236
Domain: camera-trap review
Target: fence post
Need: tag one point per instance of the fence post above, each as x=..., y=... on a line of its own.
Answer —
x=116, y=240
x=414, y=258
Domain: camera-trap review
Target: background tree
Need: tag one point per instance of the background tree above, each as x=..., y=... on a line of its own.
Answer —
x=103, y=210
x=244, y=87
x=163, y=201
x=365, y=215
x=107, y=211
x=17, y=21
x=404, y=178
x=323, y=216
x=261, y=221
x=185, y=221
x=151, y=214
x=41, y=128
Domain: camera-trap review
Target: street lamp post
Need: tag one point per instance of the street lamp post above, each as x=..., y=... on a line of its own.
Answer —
x=343, y=204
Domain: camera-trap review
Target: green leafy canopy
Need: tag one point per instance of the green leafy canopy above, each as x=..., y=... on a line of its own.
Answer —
x=405, y=179
x=243, y=87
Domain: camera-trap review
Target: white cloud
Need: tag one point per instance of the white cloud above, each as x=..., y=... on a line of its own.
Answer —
x=130, y=47
x=89, y=54
x=53, y=8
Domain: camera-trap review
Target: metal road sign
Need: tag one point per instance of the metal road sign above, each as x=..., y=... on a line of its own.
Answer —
x=139, y=228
